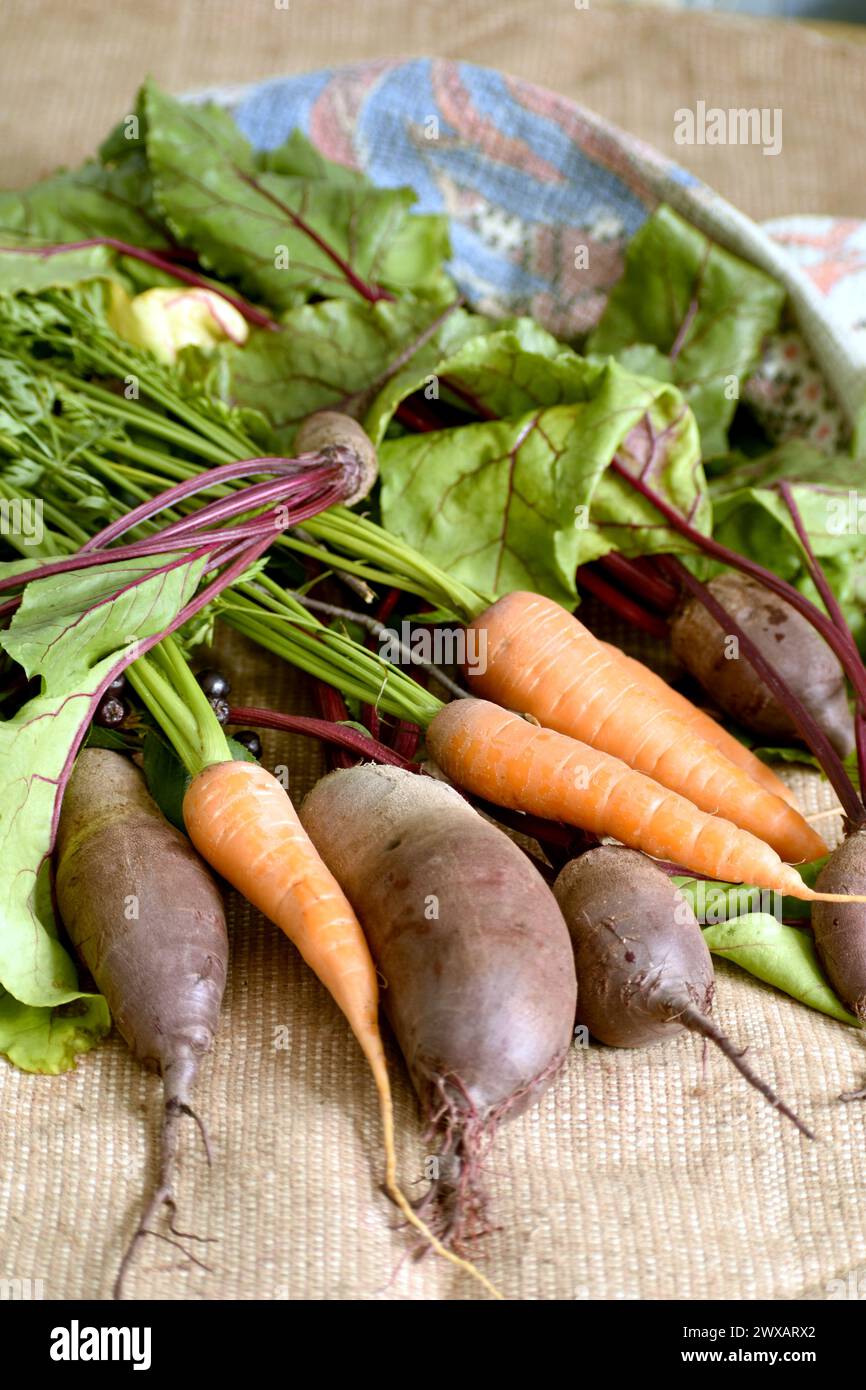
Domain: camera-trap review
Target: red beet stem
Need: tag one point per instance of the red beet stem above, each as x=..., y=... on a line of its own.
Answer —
x=406, y=738
x=418, y=416
x=164, y=262
x=372, y=293
x=807, y=726
x=834, y=611
x=339, y=734
x=828, y=630
x=333, y=707
x=620, y=603
x=639, y=576
x=311, y=467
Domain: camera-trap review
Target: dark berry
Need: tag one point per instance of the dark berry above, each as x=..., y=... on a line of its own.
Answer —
x=118, y=685
x=249, y=739
x=221, y=710
x=111, y=712
x=215, y=685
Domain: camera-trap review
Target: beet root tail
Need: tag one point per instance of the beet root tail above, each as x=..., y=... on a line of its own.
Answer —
x=455, y=1204
x=692, y=1018
x=178, y=1078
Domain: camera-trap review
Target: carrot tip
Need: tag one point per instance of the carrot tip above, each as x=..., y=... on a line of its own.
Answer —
x=814, y=897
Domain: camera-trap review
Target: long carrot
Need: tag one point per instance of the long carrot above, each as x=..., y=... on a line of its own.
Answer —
x=704, y=725
x=486, y=750
x=241, y=821
x=496, y=754
x=540, y=660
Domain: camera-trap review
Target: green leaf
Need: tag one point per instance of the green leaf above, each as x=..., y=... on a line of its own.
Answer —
x=412, y=260
x=421, y=243
x=646, y=360
x=118, y=739
x=298, y=157
x=167, y=778
x=335, y=353
x=50, y=1040
x=662, y=446
x=71, y=630
x=704, y=310
x=521, y=502
x=713, y=901
x=283, y=237
x=67, y=624
x=25, y=274
x=794, y=461
x=782, y=956
x=489, y=368
x=77, y=204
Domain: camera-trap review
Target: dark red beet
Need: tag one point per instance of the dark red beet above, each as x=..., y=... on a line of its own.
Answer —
x=786, y=639
x=478, y=968
x=840, y=928
x=644, y=973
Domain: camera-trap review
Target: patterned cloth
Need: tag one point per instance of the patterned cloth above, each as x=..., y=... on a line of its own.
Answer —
x=529, y=179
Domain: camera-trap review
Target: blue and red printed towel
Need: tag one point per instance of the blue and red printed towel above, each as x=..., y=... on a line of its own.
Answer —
x=526, y=176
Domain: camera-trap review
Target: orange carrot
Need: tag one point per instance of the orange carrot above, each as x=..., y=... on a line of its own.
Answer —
x=495, y=754
x=704, y=725
x=242, y=822
x=540, y=660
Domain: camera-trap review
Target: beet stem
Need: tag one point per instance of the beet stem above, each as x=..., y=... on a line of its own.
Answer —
x=854, y=670
x=834, y=612
x=333, y=708
x=160, y=262
x=620, y=603
x=421, y=419
x=807, y=726
x=641, y=579
x=406, y=738
x=860, y=744
x=340, y=735
x=817, y=575
x=692, y=1018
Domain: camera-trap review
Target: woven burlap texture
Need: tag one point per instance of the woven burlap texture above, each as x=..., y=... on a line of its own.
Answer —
x=70, y=70
x=651, y=1174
